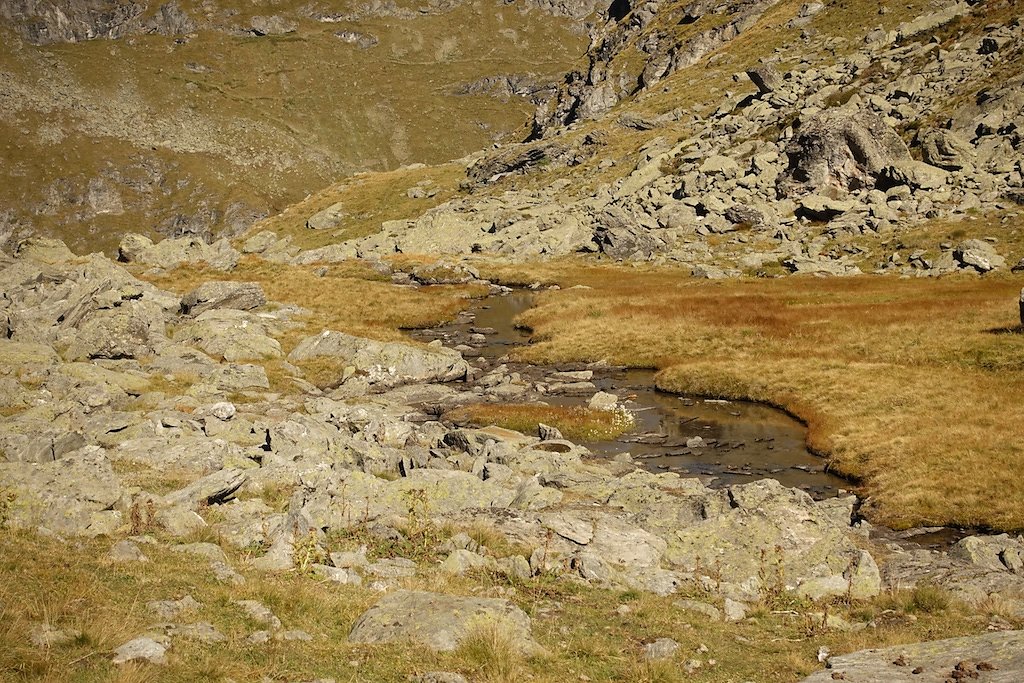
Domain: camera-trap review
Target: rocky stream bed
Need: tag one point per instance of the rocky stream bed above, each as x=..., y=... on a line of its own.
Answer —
x=93, y=436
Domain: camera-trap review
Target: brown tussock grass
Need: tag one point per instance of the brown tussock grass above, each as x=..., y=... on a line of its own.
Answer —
x=911, y=387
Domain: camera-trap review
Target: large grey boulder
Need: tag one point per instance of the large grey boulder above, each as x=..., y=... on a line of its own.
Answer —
x=990, y=657
x=231, y=334
x=752, y=533
x=129, y=331
x=946, y=149
x=75, y=495
x=329, y=218
x=840, y=150
x=273, y=25
x=385, y=363
x=914, y=174
x=440, y=622
x=171, y=252
x=979, y=255
x=243, y=296
x=621, y=235
x=43, y=250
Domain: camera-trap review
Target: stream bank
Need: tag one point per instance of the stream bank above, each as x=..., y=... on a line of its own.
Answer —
x=720, y=442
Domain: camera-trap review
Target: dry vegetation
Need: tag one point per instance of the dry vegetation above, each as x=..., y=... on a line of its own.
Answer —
x=349, y=297
x=912, y=387
x=576, y=423
x=582, y=630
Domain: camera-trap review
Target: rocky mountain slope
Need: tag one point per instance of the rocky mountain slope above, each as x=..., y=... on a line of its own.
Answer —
x=786, y=142
x=200, y=118
x=221, y=458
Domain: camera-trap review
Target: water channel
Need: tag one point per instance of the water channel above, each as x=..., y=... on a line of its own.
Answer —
x=738, y=441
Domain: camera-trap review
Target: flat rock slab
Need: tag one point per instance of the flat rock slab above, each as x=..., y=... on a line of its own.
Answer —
x=439, y=622
x=995, y=657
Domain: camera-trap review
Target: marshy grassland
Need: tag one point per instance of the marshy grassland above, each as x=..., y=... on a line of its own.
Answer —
x=911, y=387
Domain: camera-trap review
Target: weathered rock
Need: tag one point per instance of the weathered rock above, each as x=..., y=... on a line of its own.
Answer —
x=603, y=400
x=172, y=609
x=142, y=649
x=819, y=207
x=385, y=364
x=231, y=334
x=75, y=495
x=914, y=174
x=125, y=332
x=840, y=150
x=45, y=636
x=766, y=77
x=439, y=622
x=999, y=553
x=662, y=648
x=979, y=255
x=946, y=149
x=172, y=252
x=126, y=551
x=272, y=26
x=43, y=250
x=995, y=657
x=327, y=219
x=243, y=296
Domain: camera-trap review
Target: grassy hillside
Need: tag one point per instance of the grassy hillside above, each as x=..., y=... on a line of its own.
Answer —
x=209, y=129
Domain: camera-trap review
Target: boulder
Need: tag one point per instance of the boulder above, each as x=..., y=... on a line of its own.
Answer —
x=327, y=219
x=822, y=208
x=979, y=255
x=620, y=235
x=440, y=622
x=990, y=657
x=945, y=149
x=998, y=553
x=750, y=533
x=243, y=296
x=916, y=175
x=173, y=252
x=130, y=331
x=75, y=495
x=385, y=363
x=840, y=150
x=43, y=250
x=272, y=26
x=231, y=334
x=662, y=648
x=766, y=77
x=143, y=649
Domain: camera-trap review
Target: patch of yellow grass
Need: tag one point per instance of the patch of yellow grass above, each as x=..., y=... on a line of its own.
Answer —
x=913, y=387
x=576, y=423
x=348, y=297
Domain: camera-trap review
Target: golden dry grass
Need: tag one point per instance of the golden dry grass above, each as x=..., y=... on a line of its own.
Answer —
x=912, y=387
x=69, y=586
x=576, y=423
x=347, y=297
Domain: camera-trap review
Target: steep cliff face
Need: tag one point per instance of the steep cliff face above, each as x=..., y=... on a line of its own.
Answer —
x=640, y=44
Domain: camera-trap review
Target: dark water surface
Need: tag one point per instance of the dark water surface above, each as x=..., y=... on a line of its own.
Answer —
x=743, y=441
